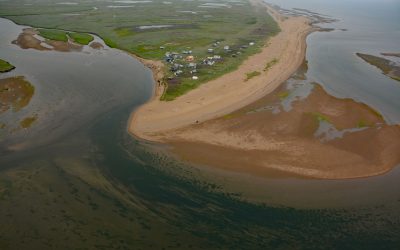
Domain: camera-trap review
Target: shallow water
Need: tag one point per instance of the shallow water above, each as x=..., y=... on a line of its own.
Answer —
x=372, y=27
x=83, y=101
x=71, y=89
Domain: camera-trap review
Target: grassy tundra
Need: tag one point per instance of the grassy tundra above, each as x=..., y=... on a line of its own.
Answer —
x=5, y=66
x=150, y=29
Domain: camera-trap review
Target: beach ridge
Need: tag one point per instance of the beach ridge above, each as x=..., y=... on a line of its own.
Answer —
x=231, y=91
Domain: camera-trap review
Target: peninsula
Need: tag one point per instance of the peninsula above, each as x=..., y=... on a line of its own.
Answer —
x=220, y=124
x=278, y=60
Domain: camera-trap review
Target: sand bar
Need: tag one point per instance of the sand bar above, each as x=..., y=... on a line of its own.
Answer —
x=229, y=92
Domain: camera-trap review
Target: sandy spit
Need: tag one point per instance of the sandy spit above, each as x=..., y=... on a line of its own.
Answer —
x=229, y=92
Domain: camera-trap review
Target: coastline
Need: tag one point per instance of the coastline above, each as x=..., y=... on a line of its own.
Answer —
x=203, y=126
x=231, y=91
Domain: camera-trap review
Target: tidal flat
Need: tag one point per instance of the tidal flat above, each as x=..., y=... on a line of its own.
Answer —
x=77, y=179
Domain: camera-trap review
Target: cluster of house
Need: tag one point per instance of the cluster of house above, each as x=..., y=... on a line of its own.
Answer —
x=185, y=61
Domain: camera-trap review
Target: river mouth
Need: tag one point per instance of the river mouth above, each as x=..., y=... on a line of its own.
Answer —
x=82, y=97
x=71, y=89
x=81, y=180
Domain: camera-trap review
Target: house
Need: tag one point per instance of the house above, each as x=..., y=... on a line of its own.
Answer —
x=189, y=59
x=216, y=57
x=195, y=77
x=210, y=50
x=251, y=43
x=226, y=47
x=162, y=47
x=174, y=67
x=177, y=73
x=210, y=62
x=192, y=65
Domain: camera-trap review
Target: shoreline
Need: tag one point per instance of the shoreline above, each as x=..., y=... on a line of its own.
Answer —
x=215, y=98
x=200, y=134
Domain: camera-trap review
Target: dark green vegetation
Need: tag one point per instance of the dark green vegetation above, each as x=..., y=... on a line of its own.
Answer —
x=178, y=26
x=387, y=67
x=81, y=38
x=5, y=66
x=270, y=64
x=51, y=34
x=108, y=194
x=252, y=75
x=59, y=35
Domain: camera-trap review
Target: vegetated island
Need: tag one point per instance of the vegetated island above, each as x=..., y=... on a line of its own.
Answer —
x=49, y=39
x=15, y=93
x=387, y=67
x=5, y=66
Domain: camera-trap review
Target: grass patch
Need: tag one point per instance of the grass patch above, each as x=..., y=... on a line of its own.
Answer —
x=110, y=43
x=252, y=75
x=124, y=32
x=81, y=38
x=320, y=117
x=230, y=116
x=5, y=66
x=363, y=124
x=28, y=121
x=52, y=34
x=270, y=64
x=283, y=94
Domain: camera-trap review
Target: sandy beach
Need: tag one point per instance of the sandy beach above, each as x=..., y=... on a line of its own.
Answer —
x=287, y=143
x=229, y=92
x=215, y=124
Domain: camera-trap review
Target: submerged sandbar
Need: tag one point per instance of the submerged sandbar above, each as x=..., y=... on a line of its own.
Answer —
x=15, y=93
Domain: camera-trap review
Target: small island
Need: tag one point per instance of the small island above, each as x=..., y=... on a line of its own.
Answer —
x=15, y=93
x=391, y=54
x=389, y=68
x=5, y=66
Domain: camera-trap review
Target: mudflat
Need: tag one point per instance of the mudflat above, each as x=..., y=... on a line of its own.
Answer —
x=355, y=143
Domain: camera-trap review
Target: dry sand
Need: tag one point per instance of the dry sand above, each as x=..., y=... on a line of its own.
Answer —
x=265, y=143
x=229, y=92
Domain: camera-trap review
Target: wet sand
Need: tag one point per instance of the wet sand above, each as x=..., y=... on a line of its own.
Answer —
x=266, y=143
x=320, y=137
x=229, y=92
